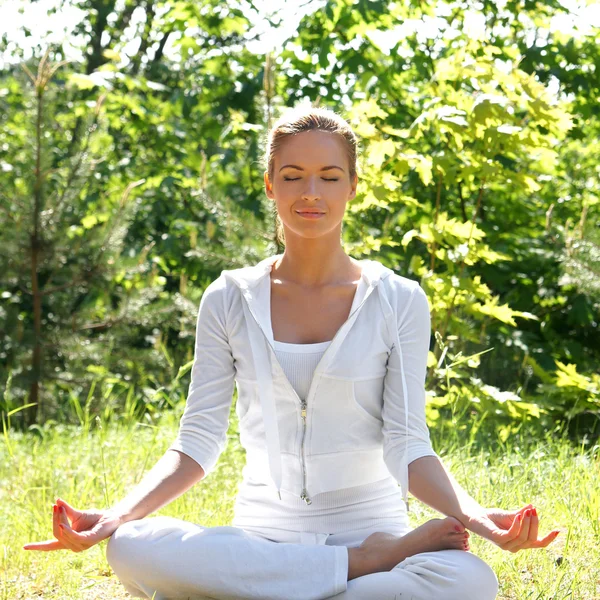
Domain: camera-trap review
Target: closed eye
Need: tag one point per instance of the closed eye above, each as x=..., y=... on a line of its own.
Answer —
x=296, y=179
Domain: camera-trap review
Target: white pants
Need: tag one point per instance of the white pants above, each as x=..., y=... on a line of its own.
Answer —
x=167, y=558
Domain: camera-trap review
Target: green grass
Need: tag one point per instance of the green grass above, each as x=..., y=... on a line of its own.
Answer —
x=90, y=466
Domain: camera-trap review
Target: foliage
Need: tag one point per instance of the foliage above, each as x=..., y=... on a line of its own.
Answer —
x=465, y=165
x=143, y=164
x=121, y=271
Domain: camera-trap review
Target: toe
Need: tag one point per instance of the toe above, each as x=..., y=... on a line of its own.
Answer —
x=455, y=525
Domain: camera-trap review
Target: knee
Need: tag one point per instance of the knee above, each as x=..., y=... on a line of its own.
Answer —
x=123, y=544
x=458, y=575
x=478, y=580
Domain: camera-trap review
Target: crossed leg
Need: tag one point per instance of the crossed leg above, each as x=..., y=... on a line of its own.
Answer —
x=419, y=564
x=167, y=558
x=447, y=574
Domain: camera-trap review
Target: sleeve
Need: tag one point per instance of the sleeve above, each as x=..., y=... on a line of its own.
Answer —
x=203, y=427
x=402, y=446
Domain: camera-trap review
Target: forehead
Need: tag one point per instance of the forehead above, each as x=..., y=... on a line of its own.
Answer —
x=312, y=148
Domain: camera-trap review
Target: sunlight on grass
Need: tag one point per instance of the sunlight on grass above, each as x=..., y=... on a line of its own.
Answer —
x=97, y=466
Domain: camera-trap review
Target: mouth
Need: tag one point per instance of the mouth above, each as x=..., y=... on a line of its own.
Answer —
x=310, y=212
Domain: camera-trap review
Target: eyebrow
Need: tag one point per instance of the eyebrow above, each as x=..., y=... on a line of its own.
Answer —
x=328, y=168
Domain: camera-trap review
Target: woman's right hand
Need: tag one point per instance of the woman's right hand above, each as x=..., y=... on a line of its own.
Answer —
x=77, y=530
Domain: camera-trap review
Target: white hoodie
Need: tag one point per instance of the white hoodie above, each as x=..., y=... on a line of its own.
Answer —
x=353, y=428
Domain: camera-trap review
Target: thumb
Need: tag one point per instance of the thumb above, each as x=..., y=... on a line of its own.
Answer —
x=503, y=536
x=72, y=513
x=517, y=511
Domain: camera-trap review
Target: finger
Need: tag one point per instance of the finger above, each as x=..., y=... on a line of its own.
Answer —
x=525, y=526
x=81, y=540
x=45, y=546
x=62, y=516
x=533, y=526
x=520, y=542
x=532, y=541
x=69, y=538
x=65, y=532
x=72, y=513
x=545, y=541
x=536, y=543
x=55, y=522
x=512, y=533
x=509, y=540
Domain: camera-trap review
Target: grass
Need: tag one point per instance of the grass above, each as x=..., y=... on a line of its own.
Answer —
x=96, y=466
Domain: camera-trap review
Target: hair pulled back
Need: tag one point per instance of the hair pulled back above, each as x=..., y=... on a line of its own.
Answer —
x=298, y=120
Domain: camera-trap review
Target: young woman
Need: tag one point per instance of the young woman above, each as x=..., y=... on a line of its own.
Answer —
x=329, y=357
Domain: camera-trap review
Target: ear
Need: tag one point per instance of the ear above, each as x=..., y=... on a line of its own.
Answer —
x=354, y=184
x=268, y=186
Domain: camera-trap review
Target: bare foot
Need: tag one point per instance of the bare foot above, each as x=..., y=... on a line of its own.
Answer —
x=383, y=551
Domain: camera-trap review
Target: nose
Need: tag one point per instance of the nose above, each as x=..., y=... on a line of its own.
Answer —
x=311, y=190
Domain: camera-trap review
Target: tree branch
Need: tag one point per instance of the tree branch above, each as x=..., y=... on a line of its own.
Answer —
x=462, y=201
x=161, y=47
x=150, y=13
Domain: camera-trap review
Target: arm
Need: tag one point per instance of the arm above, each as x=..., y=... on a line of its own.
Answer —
x=434, y=485
x=203, y=427
x=200, y=440
x=511, y=530
x=401, y=445
x=79, y=530
x=428, y=479
x=202, y=433
x=173, y=475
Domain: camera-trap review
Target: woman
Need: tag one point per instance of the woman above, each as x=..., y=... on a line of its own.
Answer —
x=331, y=407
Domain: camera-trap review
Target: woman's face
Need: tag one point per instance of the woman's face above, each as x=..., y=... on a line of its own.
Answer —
x=311, y=172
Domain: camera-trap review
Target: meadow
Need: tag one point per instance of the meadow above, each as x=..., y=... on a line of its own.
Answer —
x=95, y=464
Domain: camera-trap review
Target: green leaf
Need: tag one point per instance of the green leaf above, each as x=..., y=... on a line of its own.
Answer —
x=87, y=82
x=501, y=312
x=89, y=221
x=379, y=150
x=424, y=169
x=111, y=54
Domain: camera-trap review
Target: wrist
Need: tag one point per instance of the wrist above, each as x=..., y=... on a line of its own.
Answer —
x=121, y=514
x=470, y=512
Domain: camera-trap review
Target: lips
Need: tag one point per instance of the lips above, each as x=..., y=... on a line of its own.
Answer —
x=310, y=212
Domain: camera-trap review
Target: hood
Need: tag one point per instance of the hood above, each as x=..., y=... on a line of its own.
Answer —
x=248, y=277
x=254, y=283
x=255, y=287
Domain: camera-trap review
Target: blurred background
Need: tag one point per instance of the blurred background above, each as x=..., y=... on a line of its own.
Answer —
x=132, y=136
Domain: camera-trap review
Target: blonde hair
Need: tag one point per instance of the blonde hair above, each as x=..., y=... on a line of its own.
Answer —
x=303, y=119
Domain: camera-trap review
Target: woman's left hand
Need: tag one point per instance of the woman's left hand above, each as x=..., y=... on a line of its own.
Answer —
x=511, y=530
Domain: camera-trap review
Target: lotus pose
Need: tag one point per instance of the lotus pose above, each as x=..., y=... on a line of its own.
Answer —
x=328, y=355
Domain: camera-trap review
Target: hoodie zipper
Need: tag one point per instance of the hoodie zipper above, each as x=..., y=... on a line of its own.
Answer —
x=304, y=403
x=303, y=407
x=304, y=495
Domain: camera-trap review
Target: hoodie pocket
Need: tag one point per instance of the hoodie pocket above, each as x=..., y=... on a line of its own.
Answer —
x=337, y=421
x=368, y=397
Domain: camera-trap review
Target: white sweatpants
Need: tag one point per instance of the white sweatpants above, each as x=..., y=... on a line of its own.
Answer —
x=167, y=558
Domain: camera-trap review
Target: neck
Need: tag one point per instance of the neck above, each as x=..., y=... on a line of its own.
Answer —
x=314, y=265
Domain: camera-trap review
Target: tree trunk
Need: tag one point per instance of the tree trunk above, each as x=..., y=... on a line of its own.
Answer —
x=36, y=362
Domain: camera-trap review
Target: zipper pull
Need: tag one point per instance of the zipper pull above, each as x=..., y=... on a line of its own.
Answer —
x=303, y=412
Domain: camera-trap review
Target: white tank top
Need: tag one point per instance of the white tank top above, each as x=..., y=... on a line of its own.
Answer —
x=299, y=362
